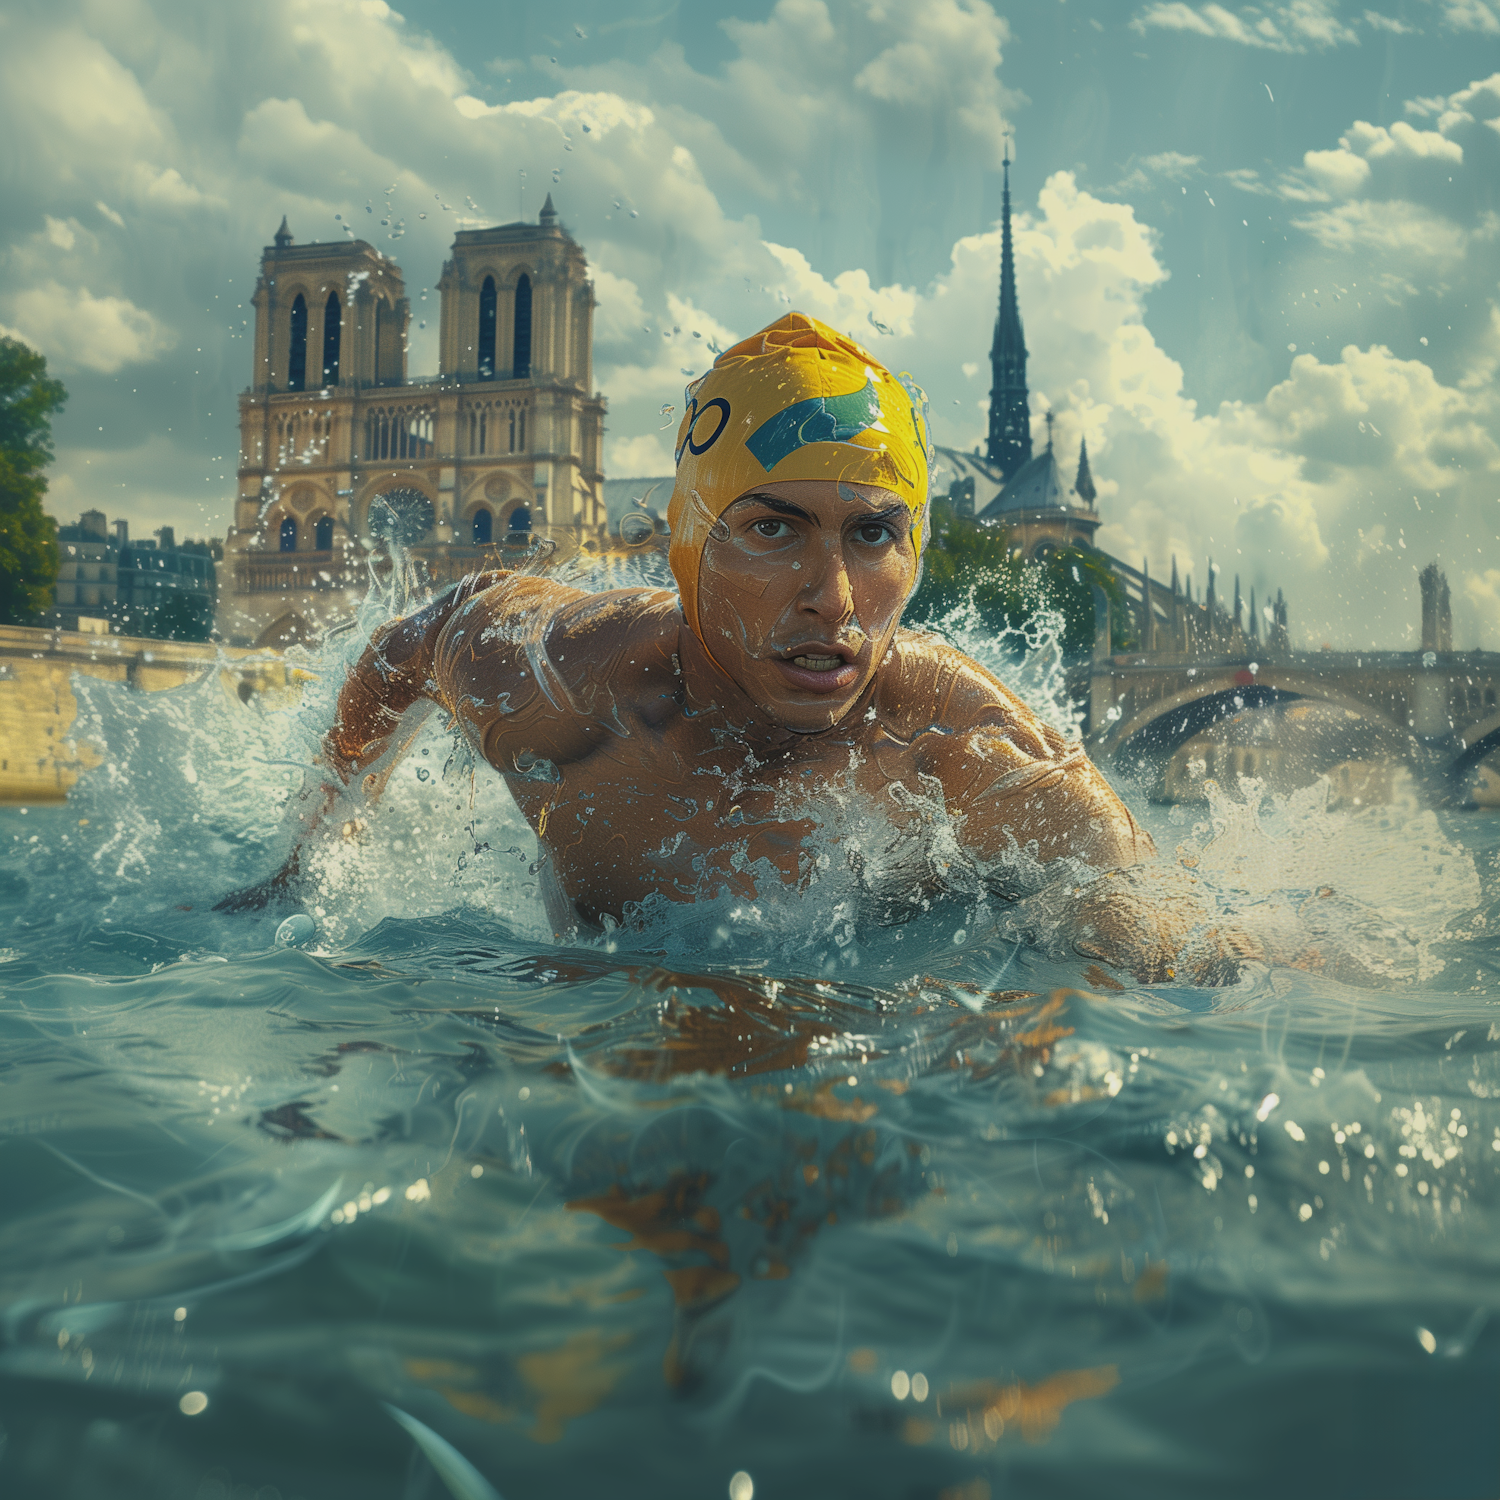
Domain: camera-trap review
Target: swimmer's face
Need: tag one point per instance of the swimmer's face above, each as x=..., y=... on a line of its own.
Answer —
x=800, y=593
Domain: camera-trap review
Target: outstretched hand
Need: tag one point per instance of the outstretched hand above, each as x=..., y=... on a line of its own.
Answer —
x=1161, y=925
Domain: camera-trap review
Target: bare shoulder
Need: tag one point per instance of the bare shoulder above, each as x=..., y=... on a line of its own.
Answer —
x=621, y=639
x=1017, y=781
x=928, y=687
x=587, y=652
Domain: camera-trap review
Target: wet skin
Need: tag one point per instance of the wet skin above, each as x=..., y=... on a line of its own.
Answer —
x=674, y=767
x=647, y=763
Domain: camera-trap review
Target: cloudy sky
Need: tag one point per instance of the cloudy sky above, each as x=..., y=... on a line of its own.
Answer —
x=1258, y=245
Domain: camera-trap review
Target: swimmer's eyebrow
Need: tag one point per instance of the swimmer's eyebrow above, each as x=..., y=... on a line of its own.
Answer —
x=890, y=513
x=781, y=507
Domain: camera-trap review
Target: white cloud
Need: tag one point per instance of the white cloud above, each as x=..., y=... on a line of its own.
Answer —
x=1471, y=15
x=77, y=330
x=1340, y=173
x=1416, y=239
x=645, y=455
x=1375, y=141
x=1172, y=165
x=1292, y=27
x=1481, y=589
x=1378, y=22
x=1346, y=171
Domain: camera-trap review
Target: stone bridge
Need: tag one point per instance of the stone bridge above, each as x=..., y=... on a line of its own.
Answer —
x=1142, y=708
x=40, y=758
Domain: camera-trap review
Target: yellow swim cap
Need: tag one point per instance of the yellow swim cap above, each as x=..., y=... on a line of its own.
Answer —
x=795, y=401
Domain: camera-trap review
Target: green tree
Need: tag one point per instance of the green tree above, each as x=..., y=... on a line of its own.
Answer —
x=28, y=535
x=970, y=564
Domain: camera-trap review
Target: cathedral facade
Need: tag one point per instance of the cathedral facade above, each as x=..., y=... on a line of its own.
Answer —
x=343, y=455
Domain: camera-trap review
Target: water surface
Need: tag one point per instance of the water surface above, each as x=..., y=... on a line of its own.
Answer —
x=437, y=1205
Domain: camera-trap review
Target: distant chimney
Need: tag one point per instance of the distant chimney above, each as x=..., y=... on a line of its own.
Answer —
x=94, y=523
x=122, y=533
x=167, y=539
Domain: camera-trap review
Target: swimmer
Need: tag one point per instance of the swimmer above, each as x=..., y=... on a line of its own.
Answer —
x=677, y=743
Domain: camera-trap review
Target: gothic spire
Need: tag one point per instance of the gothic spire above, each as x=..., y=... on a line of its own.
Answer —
x=1148, y=616
x=1010, y=411
x=1083, y=486
x=283, y=235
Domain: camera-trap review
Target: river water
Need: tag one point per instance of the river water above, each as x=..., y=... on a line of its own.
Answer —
x=433, y=1205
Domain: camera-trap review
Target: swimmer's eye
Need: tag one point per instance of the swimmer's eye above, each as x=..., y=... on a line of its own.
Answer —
x=875, y=534
x=772, y=529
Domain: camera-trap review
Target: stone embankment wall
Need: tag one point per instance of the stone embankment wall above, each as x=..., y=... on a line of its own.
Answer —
x=39, y=757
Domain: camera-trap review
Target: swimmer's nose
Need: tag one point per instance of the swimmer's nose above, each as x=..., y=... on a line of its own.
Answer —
x=827, y=593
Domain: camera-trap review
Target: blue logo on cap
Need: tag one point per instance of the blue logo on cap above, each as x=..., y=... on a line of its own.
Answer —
x=820, y=419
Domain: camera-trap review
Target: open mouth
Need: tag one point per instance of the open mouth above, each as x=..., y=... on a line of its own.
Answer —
x=819, y=669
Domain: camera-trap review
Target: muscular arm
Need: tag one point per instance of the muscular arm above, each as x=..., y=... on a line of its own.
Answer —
x=1019, y=788
x=514, y=659
x=1051, y=833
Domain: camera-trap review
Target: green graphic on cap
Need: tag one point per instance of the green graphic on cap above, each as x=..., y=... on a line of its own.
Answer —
x=820, y=419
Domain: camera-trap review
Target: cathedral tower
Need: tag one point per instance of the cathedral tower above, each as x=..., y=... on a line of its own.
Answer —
x=517, y=337
x=1010, y=412
x=328, y=316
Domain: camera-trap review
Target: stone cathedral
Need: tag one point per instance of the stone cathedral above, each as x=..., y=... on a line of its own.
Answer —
x=341, y=454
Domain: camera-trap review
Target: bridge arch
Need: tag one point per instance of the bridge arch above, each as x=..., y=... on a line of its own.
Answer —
x=1479, y=740
x=1157, y=729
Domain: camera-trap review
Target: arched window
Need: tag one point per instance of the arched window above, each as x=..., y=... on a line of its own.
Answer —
x=520, y=519
x=487, y=329
x=520, y=366
x=296, y=369
x=332, y=329
x=289, y=535
x=323, y=534
x=484, y=528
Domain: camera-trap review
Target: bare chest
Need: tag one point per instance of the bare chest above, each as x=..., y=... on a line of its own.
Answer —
x=689, y=814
